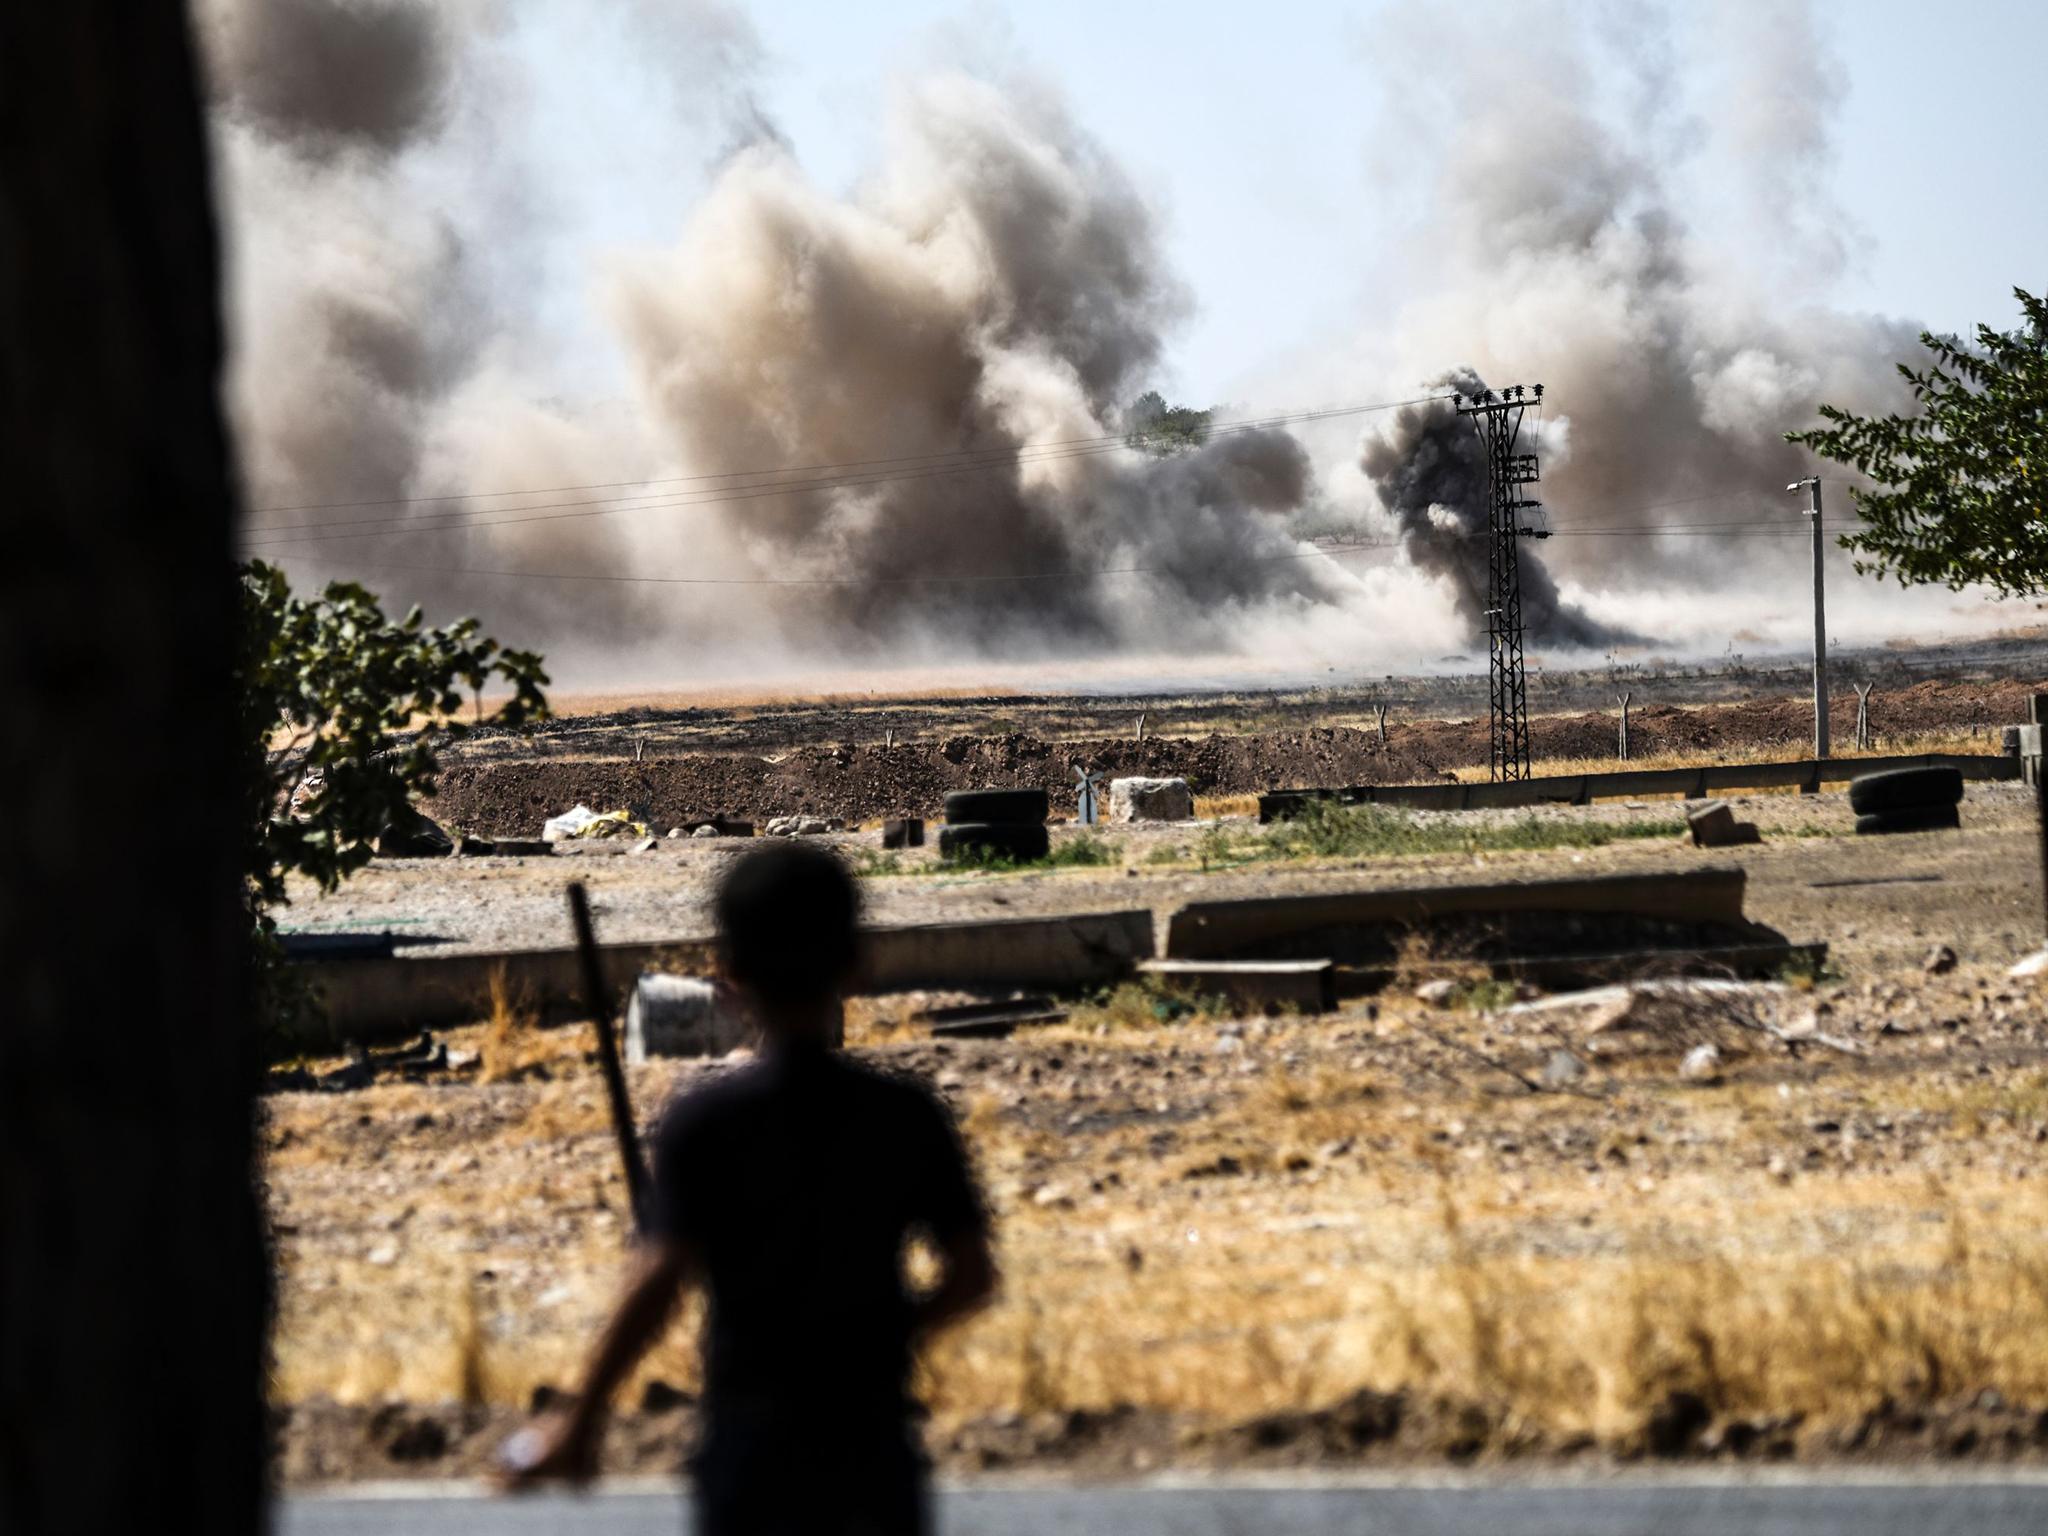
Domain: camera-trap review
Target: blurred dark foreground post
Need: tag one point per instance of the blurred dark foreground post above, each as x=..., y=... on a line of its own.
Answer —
x=132, y=1281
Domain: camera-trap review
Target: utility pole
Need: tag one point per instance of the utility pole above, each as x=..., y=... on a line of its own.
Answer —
x=1498, y=418
x=1820, y=630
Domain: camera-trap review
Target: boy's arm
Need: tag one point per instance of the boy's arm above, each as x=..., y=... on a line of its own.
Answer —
x=571, y=1439
x=967, y=1284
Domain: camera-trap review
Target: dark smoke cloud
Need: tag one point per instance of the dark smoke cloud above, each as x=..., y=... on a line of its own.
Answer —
x=1431, y=474
x=363, y=315
x=999, y=284
x=328, y=76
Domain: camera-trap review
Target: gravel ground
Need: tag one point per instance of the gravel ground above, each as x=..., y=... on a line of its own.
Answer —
x=1879, y=900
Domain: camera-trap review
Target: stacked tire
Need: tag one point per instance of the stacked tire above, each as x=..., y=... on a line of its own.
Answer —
x=1907, y=800
x=995, y=824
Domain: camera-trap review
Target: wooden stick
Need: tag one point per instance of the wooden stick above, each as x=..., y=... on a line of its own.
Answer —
x=598, y=999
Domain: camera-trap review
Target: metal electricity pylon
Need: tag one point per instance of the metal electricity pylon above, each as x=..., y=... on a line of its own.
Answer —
x=1498, y=418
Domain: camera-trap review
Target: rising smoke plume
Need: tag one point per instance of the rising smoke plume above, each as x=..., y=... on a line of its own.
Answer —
x=1559, y=252
x=1431, y=475
x=355, y=313
x=998, y=283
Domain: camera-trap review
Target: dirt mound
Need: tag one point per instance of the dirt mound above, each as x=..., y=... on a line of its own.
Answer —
x=510, y=796
x=862, y=781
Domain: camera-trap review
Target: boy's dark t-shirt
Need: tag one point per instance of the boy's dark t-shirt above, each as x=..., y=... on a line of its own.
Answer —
x=794, y=1182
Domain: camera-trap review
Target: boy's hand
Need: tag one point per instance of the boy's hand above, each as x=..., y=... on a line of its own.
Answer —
x=558, y=1447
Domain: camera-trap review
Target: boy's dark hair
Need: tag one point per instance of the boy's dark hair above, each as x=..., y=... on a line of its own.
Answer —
x=788, y=916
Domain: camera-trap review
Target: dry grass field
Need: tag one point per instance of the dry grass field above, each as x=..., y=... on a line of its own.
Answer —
x=1906, y=745
x=1399, y=1232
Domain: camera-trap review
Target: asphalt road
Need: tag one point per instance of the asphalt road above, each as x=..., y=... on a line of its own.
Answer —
x=2006, y=1506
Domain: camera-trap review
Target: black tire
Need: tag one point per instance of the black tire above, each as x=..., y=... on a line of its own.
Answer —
x=994, y=840
x=1905, y=789
x=1919, y=818
x=996, y=807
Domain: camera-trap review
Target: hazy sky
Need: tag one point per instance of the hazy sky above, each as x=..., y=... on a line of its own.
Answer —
x=1717, y=216
x=1264, y=135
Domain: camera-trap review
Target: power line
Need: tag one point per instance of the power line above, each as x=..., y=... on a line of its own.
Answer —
x=1321, y=552
x=1324, y=551
x=963, y=458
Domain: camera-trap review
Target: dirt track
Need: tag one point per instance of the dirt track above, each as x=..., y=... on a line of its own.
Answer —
x=1976, y=889
x=504, y=795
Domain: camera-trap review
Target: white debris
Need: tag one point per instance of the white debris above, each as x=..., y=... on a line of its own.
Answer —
x=1437, y=993
x=581, y=822
x=1702, y=1064
x=1630, y=1005
x=569, y=824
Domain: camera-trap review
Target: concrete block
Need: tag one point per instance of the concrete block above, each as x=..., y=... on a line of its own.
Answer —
x=1713, y=825
x=903, y=832
x=1081, y=949
x=1207, y=929
x=369, y=999
x=1151, y=800
x=679, y=1016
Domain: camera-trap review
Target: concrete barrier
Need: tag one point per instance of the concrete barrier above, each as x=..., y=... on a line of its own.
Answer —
x=1258, y=986
x=1216, y=929
x=1807, y=774
x=370, y=999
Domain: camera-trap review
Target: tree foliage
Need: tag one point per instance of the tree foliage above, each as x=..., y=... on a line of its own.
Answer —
x=1152, y=426
x=1959, y=484
x=342, y=713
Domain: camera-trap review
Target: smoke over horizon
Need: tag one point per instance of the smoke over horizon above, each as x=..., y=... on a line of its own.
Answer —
x=995, y=283
x=1674, y=358
x=1432, y=476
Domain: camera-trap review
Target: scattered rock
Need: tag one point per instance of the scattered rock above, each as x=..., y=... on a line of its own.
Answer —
x=1562, y=1070
x=707, y=830
x=1437, y=993
x=1713, y=825
x=1702, y=1064
x=1940, y=961
x=409, y=835
x=419, y=1439
x=2035, y=964
x=647, y=845
x=1675, y=1423
x=799, y=826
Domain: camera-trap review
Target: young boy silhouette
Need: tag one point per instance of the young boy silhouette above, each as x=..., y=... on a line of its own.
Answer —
x=788, y=1189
